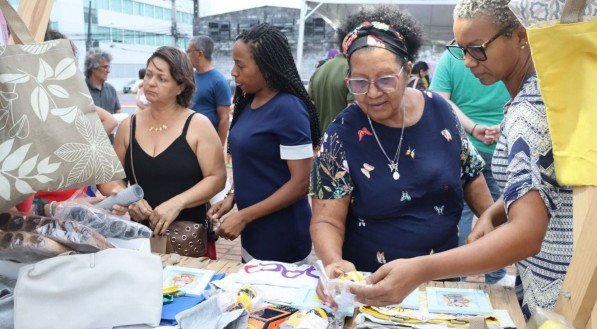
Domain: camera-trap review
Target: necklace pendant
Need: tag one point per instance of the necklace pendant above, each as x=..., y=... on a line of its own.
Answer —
x=396, y=175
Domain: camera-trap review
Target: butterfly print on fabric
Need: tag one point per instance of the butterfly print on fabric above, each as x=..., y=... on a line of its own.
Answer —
x=447, y=135
x=405, y=196
x=364, y=132
x=381, y=258
x=367, y=168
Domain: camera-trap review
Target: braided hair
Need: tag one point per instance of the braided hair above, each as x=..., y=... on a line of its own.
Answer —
x=273, y=56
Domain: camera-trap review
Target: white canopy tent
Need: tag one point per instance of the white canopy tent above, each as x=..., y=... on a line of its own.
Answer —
x=434, y=15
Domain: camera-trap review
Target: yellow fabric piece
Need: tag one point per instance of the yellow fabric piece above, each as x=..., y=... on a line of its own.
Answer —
x=558, y=51
x=401, y=315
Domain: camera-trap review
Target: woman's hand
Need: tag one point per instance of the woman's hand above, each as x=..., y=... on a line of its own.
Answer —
x=140, y=210
x=492, y=134
x=391, y=283
x=219, y=209
x=483, y=226
x=333, y=270
x=231, y=227
x=163, y=215
x=479, y=132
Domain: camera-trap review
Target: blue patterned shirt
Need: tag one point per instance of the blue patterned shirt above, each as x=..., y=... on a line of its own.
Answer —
x=523, y=161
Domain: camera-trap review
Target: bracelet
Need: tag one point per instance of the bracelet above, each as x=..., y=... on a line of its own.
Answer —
x=230, y=192
x=473, y=130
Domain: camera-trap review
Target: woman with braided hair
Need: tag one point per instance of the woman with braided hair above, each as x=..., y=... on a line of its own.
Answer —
x=273, y=132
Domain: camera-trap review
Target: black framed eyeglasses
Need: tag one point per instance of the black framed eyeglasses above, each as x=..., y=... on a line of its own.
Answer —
x=476, y=52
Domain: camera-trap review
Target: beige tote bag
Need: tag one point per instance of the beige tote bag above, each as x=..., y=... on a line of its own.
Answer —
x=50, y=136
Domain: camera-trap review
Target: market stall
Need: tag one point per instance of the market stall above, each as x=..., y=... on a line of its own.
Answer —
x=502, y=298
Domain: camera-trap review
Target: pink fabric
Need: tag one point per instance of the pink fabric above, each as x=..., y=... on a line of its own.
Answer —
x=3, y=30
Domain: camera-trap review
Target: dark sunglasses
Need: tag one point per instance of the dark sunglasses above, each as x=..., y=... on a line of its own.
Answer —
x=476, y=52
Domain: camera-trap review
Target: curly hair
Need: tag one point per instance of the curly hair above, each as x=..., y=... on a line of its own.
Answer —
x=180, y=70
x=94, y=59
x=273, y=56
x=391, y=15
x=497, y=10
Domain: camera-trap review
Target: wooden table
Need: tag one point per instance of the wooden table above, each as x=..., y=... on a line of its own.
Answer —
x=501, y=297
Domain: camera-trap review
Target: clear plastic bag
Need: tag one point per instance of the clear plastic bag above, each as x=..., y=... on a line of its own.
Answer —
x=545, y=319
x=102, y=221
x=72, y=234
x=317, y=318
x=338, y=288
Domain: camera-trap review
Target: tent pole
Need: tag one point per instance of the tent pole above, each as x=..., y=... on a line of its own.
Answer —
x=301, y=37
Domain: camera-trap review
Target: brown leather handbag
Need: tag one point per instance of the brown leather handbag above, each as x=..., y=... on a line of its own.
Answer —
x=187, y=238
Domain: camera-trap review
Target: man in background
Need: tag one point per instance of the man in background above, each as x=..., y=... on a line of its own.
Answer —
x=212, y=94
x=97, y=68
x=326, y=86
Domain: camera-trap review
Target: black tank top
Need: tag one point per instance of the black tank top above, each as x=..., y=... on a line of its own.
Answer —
x=170, y=173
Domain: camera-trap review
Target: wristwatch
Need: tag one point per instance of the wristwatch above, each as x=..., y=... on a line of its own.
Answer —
x=230, y=192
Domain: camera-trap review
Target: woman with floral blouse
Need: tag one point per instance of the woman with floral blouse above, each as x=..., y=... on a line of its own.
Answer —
x=394, y=167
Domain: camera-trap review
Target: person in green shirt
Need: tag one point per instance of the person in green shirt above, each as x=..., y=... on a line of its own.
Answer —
x=326, y=86
x=480, y=111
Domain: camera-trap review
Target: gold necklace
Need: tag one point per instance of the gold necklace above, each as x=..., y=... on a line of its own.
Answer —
x=158, y=128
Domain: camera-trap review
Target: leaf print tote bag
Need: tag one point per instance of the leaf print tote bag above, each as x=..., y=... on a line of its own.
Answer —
x=50, y=136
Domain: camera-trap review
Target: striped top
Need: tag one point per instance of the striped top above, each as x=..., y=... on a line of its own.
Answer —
x=523, y=161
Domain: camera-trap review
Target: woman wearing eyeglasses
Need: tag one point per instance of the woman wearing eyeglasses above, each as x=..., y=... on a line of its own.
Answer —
x=531, y=224
x=395, y=166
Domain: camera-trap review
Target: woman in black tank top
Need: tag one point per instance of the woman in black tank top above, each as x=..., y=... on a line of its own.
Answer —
x=173, y=153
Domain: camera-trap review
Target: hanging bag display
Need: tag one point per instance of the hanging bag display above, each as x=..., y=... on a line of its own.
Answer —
x=563, y=39
x=50, y=135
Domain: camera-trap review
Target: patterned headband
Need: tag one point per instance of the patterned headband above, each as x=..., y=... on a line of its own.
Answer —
x=375, y=34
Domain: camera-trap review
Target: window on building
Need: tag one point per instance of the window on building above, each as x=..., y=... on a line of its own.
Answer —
x=315, y=29
x=166, y=13
x=129, y=37
x=213, y=30
x=103, y=4
x=127, y=7
x=157, y=12
x=138, y=8
x=148, y=12
x=103, y=34
x=285, y=25
x=225, y=34
x=117, y=35
x=245, y=25
x=86, y=16
x=116, y=5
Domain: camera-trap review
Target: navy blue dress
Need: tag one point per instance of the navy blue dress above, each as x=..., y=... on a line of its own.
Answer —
x=387, y=218
x=261, y=142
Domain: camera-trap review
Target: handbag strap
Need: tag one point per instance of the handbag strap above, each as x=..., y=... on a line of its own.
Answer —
x=18, y=30
x=573, y=11
x=132, y=133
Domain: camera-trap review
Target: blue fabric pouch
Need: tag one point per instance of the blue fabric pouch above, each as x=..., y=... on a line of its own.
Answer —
x=169, y=311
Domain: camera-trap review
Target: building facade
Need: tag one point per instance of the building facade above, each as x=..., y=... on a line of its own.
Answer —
x=131, y=30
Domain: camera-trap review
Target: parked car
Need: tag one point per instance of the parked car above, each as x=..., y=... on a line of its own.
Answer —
x=127, y=88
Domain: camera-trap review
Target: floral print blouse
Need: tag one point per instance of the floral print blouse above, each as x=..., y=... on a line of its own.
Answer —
x=414, y=215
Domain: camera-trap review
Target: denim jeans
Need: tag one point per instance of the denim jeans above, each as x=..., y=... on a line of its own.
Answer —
x=466, y=219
